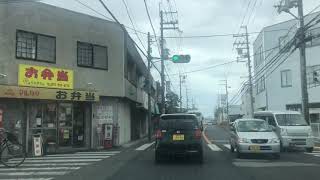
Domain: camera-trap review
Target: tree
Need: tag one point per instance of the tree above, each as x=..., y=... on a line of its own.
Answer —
x=172, y=103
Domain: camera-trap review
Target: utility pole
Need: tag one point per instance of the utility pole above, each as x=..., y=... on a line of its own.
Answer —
x=162, y=52
x=227, y=95
x=187, y=98
x=162, y=65
x=247, y=55
x=286, y=5
x=149, y=86
x=303, y=64
x=180, y=83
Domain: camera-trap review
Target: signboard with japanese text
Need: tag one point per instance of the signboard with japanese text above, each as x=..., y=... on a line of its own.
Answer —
x=44, y=93
x=48, y=77
x=104, y=114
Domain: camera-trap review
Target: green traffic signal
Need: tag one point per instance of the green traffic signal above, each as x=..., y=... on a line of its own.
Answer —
x=175, y=58
x=181, y=58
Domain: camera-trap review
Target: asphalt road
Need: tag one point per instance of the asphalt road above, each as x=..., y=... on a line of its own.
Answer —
x=137, y=163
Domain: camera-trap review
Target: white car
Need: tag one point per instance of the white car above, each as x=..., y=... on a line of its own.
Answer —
x=291, y=128
x=254, y=136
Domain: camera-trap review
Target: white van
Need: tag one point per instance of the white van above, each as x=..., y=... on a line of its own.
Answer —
x=291, y=128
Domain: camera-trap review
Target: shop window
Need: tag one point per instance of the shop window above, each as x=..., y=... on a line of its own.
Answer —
x=35, y=46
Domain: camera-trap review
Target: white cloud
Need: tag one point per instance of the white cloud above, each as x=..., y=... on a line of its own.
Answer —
x=199, y=17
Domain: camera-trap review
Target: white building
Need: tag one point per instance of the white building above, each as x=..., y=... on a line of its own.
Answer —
x=277, y=80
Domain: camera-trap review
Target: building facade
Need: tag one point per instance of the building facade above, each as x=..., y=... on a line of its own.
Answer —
x=75, y=79
x=277, y=69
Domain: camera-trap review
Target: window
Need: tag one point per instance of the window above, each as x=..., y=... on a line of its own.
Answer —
x=261, y=85
x=90, y=55
x=258, y=57
x=314, y=34
x=35, y=46
x=271, y=121
x=283, y=41
x=286, y=79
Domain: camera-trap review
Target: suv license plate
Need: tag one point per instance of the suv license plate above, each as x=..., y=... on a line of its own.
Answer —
x=178, y=137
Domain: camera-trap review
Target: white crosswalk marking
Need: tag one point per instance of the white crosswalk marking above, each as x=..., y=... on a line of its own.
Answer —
x=144, y=147
x=263, y=164
x=227, y=146
x=314, y=153
x=214, y=147
x=42, y=168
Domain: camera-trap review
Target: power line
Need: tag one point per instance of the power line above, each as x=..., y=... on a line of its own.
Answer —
x=108, y=18
x=150, y=21
x=219, y=35
x=17, y=1
x=207, y=68
x=314, y=9
x=128, y=13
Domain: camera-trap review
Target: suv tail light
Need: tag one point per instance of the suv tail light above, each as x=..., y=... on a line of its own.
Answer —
x=158, y=134
x=198, y=134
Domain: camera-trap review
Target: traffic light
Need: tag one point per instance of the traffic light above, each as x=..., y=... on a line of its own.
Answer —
x=181, y=58
x=316, y=77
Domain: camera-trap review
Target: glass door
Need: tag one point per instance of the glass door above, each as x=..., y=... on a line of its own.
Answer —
x=65, y=117
x=79, y=124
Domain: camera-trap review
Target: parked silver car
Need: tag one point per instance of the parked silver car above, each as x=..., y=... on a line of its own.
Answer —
x=254, y=136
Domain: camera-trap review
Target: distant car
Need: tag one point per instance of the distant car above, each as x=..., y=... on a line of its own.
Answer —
x=254, y=136
x=179, y=134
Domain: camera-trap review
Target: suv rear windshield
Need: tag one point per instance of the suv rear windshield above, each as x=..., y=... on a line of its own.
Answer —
x=185, y=122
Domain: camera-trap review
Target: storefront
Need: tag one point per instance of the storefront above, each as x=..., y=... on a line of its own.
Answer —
x=62, y=123
x=49, y=107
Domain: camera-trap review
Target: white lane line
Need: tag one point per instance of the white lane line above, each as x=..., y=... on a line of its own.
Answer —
x=77, y=155
x=227, y=146
x=214, y=147
x=45, y=173
x=39, y=169
x=144, y=147
x=65, y=158
x=99, y=152
x=28, y=179
x=58, y=160
x=271, y=164
x=51, y=164
x=252, y=160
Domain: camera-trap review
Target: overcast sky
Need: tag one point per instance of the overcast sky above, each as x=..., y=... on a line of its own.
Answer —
x=196, y=17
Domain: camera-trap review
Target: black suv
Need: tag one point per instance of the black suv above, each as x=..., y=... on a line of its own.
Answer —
x=179, y=134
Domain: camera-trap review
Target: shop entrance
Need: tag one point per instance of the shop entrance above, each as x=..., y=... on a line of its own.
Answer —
x=61, y=125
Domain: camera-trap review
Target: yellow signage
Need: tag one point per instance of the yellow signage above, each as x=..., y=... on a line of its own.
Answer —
x=44, y=93
x=49, y=77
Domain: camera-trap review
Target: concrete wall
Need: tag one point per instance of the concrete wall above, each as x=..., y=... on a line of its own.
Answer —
x=68, y=27
x=124, y=122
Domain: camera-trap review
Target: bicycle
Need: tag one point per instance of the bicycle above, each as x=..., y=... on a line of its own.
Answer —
x=12, y=153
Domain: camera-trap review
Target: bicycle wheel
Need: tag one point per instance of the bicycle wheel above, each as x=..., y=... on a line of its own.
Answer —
x=12, y=154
